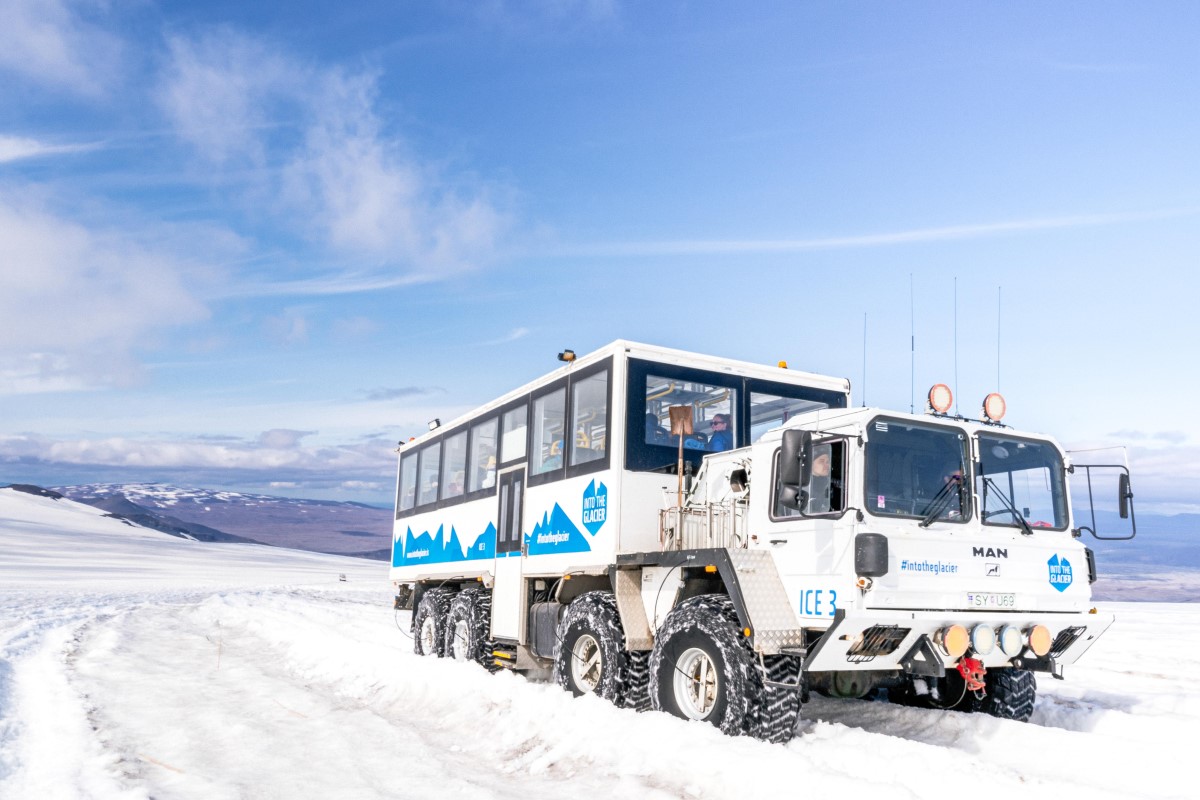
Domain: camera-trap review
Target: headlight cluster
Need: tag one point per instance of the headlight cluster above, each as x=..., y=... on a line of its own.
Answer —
x=954, y=640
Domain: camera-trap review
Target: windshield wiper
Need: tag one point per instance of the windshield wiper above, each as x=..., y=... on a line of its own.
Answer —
x=1008, y=506
x=939, y=502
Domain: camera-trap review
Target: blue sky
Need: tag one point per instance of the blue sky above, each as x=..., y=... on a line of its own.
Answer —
x=253, y=245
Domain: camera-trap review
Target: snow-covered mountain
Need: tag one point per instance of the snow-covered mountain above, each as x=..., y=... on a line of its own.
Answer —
x=323, y=526
x=134, y=664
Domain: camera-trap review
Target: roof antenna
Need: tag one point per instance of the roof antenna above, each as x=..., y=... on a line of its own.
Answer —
x=956, y=344
x=864, y=392
x=998, y=289
x=912, y=350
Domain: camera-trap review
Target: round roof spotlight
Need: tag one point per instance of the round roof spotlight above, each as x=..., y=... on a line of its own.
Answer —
x=983, y=639
x=1039, y=640
x=1011, y=641
x=941, y=398
x=994, y=407
x=953, y=640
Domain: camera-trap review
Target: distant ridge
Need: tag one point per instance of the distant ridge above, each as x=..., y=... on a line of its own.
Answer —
x=323, y=526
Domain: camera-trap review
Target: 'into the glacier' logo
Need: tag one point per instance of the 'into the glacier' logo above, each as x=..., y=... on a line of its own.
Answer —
x=1060, y=572
x=595, y=506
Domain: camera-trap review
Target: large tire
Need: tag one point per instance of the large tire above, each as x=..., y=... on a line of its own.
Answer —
x=429, y=622
x=468, y=628
x=701, y=669
x=1011, y=694
x=590, y=655
x=779, y=703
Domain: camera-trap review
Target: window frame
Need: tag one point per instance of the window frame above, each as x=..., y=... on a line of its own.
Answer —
x=968, y=463
x=979, y=474
x=800, y=515
x=568, y=470
x=641, y=456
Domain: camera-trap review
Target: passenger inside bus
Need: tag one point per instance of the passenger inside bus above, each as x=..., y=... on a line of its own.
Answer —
x=554, y=460
x=721, y=437
x=655, y=433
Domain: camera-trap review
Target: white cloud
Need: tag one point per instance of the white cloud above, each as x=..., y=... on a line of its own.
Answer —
x=219, y=91
x=77, y=301
x=16, y=148
x=52, y=44
x=290, y=327
x=282, y=438
x=370, y=458
x=331, y=169
x=915, y=236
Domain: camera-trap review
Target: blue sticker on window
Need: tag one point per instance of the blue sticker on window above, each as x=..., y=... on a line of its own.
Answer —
x=1060, y=572
x=595, y=507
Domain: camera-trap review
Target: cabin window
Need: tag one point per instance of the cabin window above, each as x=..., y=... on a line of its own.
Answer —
x=549, y=420
x=454, y=466
x=714, y=422
x=481, y=466
x=769, y=411
x=514, y=428
x=589, y=418
x=427, y=473
x=406, y=493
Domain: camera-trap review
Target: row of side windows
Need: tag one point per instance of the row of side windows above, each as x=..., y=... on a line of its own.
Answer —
x=463, y=463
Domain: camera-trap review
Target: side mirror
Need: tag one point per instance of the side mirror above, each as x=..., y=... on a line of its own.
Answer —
x=1124, y=495
x=795, y=458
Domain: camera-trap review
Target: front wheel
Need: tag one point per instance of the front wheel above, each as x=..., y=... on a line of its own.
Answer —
x=1011, y=694
x=701, y=670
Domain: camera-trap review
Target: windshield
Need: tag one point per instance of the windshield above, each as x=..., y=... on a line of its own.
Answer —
x=916, y=470
x=1020, y=482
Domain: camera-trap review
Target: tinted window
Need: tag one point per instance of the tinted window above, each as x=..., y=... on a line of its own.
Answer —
x=514, y=426
x=549, y=418
x=427, y=473
x=708, y=404
x=1022, y=477
x=406, y=493
x=589, y=418
x=916, y=470
x=454, y=466
x=769, y=411
x=481, y=466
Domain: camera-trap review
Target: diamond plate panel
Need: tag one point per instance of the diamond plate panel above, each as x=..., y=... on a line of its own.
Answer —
x=633, y=612
x=772, y=618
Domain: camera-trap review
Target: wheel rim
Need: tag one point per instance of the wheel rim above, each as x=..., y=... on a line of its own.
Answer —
x=695, y=684
x=586, y=663
x=429, y=636
x=459, y=648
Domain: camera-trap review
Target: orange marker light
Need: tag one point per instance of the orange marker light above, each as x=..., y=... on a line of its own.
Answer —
x=941, y=398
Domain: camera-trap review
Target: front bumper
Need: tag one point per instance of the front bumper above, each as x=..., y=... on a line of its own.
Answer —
x=890, y=640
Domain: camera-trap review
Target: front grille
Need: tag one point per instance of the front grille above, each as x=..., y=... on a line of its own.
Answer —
x=878, y=640
x=1065, y=638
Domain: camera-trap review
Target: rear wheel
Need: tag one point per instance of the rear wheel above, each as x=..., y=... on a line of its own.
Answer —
x=590, y=655
x=468, y=627
x=429, y=622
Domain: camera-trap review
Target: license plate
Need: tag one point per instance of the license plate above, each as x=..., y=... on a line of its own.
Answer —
x=991, y=600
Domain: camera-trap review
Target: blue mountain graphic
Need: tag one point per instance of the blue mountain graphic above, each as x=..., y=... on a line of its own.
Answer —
x=433, y=549
x=556, y=534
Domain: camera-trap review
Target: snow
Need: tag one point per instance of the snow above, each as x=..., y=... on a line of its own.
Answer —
x=136, y=665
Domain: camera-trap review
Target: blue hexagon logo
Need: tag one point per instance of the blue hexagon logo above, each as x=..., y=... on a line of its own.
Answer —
x=595, y=507
x=1060, y=572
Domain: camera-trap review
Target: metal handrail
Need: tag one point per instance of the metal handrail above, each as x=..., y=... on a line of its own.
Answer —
x=718, y=525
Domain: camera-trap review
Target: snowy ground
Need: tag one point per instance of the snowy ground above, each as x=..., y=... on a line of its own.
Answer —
x=136, y=665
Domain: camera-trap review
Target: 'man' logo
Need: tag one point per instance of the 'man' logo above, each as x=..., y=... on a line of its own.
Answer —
x=989, y=552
